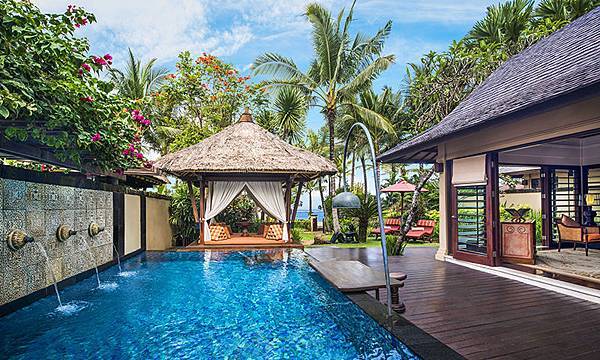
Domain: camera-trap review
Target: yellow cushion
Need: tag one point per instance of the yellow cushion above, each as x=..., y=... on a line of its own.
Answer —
x=217, y=233
x=275, y=232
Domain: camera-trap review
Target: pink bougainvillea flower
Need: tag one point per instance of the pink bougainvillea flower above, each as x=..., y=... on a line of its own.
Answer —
x=96, y=137
x=88, y=99
x=83, y=21
x=108, y=58
x=86, y=67
x=99, y=61
x=80, y=72
x=140, y=156
x=126, y=152
x=77, y=26
x=71, y=8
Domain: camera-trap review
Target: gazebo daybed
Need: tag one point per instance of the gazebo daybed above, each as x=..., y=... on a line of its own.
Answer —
x=245, y=157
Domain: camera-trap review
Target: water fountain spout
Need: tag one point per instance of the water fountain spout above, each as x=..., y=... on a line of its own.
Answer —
x=17, y=239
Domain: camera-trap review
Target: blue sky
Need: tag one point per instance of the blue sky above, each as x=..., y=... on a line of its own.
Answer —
x=240, y=30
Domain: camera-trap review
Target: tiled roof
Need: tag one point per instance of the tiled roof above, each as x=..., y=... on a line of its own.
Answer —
x=561, y=63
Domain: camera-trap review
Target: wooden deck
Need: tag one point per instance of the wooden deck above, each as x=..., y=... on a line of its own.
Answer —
x=483, y=316
x=351, y=275
x=241, y=243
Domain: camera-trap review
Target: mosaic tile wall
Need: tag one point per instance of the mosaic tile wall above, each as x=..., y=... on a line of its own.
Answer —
x=39, y=209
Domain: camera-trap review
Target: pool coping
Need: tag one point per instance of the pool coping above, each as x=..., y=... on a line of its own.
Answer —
x=417, y=340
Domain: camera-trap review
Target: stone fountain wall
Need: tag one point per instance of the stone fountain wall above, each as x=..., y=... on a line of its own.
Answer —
x=39, y=209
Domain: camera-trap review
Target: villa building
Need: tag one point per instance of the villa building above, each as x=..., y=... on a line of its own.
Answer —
x=539, y=111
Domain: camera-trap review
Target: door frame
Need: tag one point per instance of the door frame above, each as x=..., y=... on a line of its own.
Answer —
x=491, y=217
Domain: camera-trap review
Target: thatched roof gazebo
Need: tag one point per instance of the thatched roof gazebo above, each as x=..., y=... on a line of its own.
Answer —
x=244, y=156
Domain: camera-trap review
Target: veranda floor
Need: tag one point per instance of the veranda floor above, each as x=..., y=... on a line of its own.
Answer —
x=483, y=316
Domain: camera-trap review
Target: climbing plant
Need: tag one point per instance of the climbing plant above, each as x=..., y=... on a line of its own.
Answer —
x=51, y=94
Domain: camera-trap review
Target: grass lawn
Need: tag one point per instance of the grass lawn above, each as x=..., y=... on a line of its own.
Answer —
x=308, y=237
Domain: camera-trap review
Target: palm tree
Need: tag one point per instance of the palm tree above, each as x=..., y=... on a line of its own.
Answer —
x=316, y=144
x=564, y=10
x=341, y=67
x=137, y=80
x=383, y=129
x=503, y=23
x=290, y=107
x=309, y=187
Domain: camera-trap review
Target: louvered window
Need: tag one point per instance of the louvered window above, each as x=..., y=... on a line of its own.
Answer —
x=471, y=229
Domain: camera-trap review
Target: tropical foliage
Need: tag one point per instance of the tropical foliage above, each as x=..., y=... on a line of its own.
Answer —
x=51, y=93
x=202, y=97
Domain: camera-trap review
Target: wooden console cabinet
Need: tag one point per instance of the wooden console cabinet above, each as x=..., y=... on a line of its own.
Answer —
x=517, y=242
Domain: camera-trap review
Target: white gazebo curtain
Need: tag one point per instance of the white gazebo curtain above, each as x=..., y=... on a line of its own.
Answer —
x=269, y=195
x=220, y=194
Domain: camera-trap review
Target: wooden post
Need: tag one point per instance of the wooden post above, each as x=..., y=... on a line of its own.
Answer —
x=288, y=203
x=193, y=200
x=202, y=210
x=297, y=202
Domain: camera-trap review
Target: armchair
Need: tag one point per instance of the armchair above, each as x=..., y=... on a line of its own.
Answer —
x=571, y=231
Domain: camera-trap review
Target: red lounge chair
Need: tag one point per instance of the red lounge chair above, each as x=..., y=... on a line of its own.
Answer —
x=423, y=230
x=390, y=226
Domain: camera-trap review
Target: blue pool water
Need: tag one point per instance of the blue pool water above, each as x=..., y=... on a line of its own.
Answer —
x=200, y=306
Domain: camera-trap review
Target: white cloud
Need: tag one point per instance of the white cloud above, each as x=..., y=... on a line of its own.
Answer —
x=156, y=28
x=437, y=11
x=164, y=28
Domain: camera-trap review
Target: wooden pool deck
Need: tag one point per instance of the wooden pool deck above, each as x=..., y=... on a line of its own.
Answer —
x=483, y=316
x=241, y=243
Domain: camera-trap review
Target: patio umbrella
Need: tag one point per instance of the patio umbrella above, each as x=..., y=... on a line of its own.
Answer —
x=402, y=187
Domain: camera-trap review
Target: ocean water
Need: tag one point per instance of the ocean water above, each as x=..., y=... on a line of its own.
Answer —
x=191, y=305
x=303, y=214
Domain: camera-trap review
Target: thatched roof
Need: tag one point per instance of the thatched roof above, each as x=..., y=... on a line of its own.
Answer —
x=245, y=148
x=563, y=64
x=142, y=177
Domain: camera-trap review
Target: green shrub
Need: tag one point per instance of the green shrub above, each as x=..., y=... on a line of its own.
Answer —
x=182, y=216
x=302, y=224
x=434, y=215
x=296, y=235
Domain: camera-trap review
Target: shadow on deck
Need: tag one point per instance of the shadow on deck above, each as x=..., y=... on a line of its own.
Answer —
x=483, y=316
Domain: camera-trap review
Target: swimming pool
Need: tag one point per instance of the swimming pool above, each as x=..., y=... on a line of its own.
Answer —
x=251, y=305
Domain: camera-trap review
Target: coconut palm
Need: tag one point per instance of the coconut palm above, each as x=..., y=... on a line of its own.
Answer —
x=341, y=67
x=137, y=80
x=383, y=130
